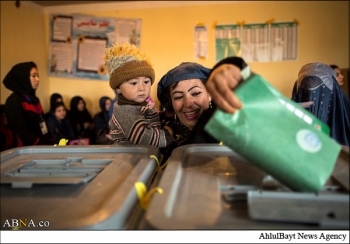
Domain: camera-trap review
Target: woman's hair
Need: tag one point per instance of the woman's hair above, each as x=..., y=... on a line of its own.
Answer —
x=74, y=103
x=333, y=66
x=167, y=103
x=55, y=105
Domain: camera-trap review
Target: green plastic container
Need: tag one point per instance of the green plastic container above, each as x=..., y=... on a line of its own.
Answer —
x=278, y=136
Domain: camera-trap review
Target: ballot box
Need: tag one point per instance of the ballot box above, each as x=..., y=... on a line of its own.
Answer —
x=73, y=187
x=211, y=187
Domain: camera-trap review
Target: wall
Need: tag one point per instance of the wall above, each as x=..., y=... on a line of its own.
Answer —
x=23, y=35
x=167, y=36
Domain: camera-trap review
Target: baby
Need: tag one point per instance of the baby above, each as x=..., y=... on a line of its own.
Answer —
x=134, y=121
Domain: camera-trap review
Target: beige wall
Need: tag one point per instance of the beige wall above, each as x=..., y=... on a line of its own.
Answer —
x=167, y=36
x=23, y=35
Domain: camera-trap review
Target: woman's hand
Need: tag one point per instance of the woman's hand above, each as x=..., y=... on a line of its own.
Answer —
x=220, y=85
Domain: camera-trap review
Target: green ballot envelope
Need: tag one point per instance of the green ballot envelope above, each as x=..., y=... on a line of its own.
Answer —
x=278, y=136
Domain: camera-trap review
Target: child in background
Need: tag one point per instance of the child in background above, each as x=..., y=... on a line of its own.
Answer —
x=133, y=121
x=58, y=123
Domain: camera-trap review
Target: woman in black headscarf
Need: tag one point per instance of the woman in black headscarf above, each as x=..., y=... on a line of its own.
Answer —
x=59, y=124
x=54, y=98
x=101, y=120
x=81, y=119
x=23, y=109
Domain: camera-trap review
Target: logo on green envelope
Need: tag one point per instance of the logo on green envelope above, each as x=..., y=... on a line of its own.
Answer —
x=308, y=141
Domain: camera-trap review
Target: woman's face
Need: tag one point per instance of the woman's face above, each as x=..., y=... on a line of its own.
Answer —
x=34, y=78
x=189, y=99
x=339, y=76
x=81, y=105
x=60, y=112
x=107, y=104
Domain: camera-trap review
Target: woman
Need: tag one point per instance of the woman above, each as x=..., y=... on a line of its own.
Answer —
x=55, y=97
x=338, y=75
x=188, y=104
x=58, y=123
x=340, y=78
x=101, y=120
x=81, y=119
x=317, y=83
x=23, y=109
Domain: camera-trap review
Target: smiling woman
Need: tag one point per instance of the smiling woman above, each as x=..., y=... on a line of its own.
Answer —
x=183, y=93
x=189, y=100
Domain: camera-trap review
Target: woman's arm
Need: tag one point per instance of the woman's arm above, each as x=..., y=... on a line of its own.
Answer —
x=18, y=121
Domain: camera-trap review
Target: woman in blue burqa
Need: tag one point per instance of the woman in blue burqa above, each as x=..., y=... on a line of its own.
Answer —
x=317, y=83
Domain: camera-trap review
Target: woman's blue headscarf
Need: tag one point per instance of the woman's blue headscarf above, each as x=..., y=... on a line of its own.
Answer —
x=316, y=82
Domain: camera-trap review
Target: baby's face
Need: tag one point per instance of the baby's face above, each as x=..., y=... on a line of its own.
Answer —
x=137, y=89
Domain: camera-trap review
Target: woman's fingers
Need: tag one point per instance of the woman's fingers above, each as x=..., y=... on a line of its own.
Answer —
x=220, y=85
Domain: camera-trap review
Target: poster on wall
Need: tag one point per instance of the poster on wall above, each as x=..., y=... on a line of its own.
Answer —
x=261, y=42
x=227, y=41
x=200, y=42
x=78, y=42
x=255, y=43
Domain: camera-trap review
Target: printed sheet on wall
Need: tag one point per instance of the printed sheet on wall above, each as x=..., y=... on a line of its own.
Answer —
x=78, y=42
x=262, y=42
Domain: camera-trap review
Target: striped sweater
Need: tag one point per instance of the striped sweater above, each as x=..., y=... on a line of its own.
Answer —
x=135, y=124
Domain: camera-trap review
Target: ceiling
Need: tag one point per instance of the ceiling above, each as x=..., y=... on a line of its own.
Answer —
x=61, y=3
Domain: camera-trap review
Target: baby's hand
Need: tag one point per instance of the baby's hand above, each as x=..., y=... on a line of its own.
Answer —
x=169, y=130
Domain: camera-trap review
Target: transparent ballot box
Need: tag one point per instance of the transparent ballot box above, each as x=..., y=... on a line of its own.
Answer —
x=212, y=187
x=73, y=187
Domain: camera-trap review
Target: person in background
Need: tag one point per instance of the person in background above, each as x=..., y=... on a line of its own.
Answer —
x=55, y=97
x=8, y=139
x=58, y=123
x=81, y=119
x=317, y=82
x=110, y=111
x=339, y=78
x=183, y=93
x=23, y=109
x=101, y=120
x=133, y=121
x=338, y=75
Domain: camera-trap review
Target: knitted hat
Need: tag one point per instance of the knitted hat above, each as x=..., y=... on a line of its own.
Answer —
x=185, y=71
x=125, y=61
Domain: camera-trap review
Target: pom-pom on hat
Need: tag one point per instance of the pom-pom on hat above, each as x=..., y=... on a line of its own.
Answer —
x=125, y=61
